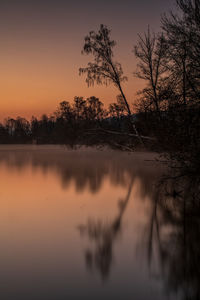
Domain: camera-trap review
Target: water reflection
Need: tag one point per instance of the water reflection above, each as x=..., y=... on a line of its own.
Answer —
x=87, y=168
x=174, y=231
x=104, y=236
x=139, y=234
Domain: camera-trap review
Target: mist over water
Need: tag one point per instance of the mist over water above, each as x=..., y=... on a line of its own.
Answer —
x=85, y=224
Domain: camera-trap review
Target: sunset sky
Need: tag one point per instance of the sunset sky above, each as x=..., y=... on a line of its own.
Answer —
x=41, y=44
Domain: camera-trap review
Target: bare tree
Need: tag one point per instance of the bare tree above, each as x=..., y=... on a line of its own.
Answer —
x=95, y=108
x=79, y=108
x=182, y=34
x=150, y=50
x=104, y=70
x=177, y=53
x=117, y=109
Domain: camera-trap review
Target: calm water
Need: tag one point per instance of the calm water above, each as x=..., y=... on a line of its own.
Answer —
x=83, y=225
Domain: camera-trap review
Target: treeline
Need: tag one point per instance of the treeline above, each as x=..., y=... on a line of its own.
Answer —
x=83, y=122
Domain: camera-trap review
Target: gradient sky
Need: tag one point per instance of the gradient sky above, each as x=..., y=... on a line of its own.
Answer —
x=40, y=49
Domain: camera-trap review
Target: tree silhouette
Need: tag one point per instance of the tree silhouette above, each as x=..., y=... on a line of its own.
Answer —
x=104, y=70
x=150, y=50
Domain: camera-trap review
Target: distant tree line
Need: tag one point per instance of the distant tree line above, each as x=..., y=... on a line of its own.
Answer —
x=83, y=122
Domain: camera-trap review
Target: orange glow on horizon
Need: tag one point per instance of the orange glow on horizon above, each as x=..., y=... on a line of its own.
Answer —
x=25, y=97
x=41, y=51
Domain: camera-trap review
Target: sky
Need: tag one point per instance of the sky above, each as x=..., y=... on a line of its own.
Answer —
x=41, y=43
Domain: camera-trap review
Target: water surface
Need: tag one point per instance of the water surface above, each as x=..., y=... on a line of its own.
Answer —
x=82, y=225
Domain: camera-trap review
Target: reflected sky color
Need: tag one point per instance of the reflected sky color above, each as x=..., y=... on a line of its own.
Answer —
x=44, y=203
x=41, y=44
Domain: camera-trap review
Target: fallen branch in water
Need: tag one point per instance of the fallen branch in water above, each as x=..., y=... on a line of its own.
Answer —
x=122, y=133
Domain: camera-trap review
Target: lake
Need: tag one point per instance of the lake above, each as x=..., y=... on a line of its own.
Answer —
x=85, y=224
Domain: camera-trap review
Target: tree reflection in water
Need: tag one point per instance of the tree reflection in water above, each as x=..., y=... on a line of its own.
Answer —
x=172, y=230
x=174, y=235
x=104, y=236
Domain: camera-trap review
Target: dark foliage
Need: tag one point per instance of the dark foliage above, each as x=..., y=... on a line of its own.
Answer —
x=169, y=105
x=84, y=122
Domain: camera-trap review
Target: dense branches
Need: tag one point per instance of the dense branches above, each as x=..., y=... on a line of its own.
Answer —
x=104, y=69
x=150, y=51
x=170, y=65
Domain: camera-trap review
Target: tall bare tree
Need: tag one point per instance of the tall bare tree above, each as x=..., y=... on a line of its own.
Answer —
x=150, y=51
x=182, y=34
x=104, y=70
